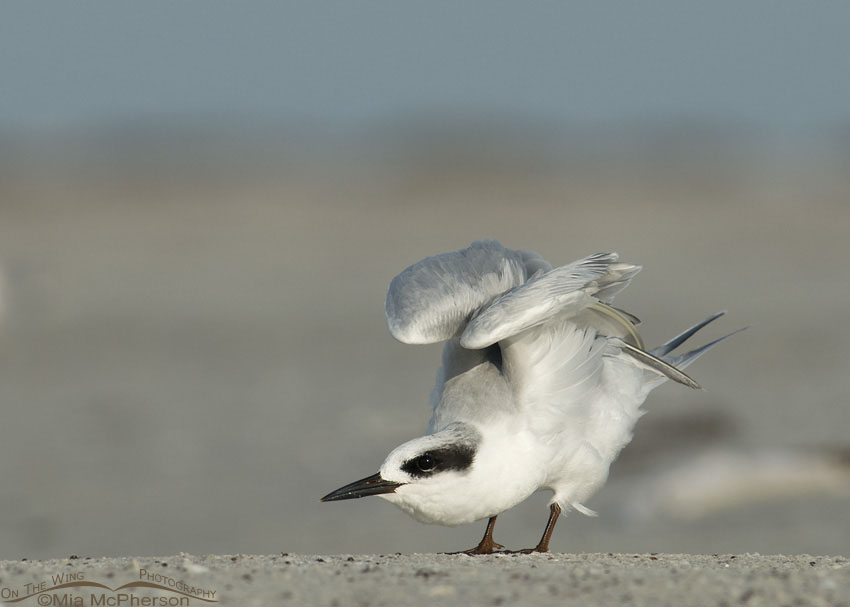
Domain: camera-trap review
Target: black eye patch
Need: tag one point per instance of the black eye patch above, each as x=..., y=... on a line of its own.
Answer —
x=456, y=457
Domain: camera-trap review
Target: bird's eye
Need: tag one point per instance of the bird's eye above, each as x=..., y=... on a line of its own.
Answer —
x=425, y=463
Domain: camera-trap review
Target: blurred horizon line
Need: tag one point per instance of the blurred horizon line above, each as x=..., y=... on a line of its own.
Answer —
x=400, y=120
x=176, y=146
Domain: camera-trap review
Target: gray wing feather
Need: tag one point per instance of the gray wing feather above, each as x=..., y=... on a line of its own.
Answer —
x=534, y=264
x=657, y=364
x=668, y=365
x=569, y=288
x=432, y=300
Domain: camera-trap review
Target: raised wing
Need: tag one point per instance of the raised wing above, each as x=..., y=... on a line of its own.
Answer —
x=432, y=300
x=552, y=327
x=564, y=291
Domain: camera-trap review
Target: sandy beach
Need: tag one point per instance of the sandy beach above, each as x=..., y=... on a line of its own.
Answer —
x=425, y=579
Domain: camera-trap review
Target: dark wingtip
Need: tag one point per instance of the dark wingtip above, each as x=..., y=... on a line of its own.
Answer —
x=677, y=341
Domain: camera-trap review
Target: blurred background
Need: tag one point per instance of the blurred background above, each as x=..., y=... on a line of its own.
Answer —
x=202, y=204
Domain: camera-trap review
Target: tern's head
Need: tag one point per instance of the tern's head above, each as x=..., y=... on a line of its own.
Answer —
x=420, y=474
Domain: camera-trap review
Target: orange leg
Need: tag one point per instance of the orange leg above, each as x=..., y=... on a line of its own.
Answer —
x=543, y=544
x=486, y=545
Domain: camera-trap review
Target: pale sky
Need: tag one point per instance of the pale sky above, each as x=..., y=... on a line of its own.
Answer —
x=779, y=64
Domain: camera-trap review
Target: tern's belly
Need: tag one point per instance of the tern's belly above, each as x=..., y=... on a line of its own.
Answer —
x=453, y=509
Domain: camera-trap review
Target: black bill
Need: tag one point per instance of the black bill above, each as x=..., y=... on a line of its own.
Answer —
x=371, y=485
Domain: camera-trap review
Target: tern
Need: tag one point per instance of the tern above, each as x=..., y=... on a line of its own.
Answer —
x=541, y=384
